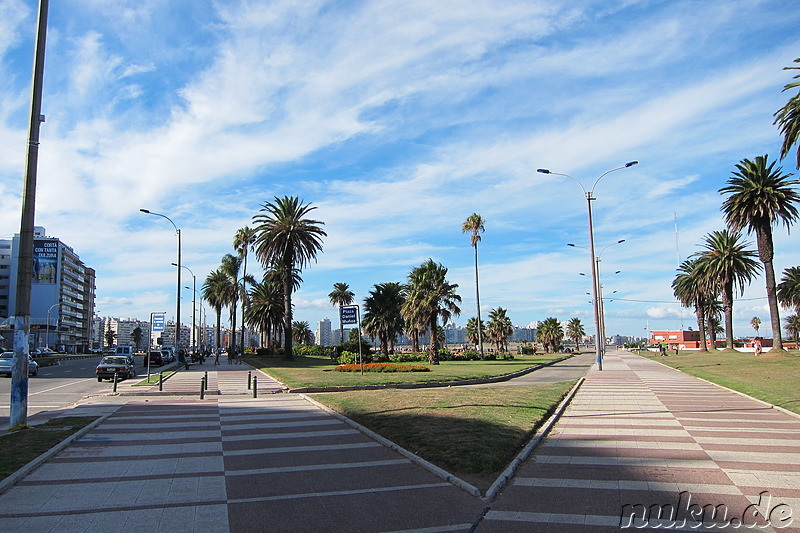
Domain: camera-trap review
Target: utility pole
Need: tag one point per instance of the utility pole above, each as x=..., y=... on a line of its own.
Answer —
x=18, y=415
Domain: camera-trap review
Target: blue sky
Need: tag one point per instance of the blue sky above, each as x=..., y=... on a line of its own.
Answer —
x=397, y=120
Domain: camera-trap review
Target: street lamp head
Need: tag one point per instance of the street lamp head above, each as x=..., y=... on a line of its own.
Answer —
x=145, y=211
x=570, y=244
x=631, y=164
x=620, y=241
x=543, y=171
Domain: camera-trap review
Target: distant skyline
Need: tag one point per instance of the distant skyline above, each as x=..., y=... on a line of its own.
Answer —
x=397, y=120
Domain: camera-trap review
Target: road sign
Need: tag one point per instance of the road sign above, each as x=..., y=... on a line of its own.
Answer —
x=349, y=315
x=158, y=322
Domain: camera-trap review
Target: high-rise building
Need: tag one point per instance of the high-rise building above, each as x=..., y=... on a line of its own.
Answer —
x=62, y=293
x=323, y=333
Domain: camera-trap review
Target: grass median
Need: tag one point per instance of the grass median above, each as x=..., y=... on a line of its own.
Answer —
x=312, y=371
x=472, y=432
x=18, y=448
x=773, y=377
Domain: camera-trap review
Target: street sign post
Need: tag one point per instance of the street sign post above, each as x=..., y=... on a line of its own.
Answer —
x=157, y=323
x=349, y=315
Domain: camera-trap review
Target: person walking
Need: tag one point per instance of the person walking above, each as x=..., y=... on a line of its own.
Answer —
x=757, y=346
x=216, y=359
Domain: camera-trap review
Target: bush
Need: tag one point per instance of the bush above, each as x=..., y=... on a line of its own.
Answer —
x=316, y=350
x=351, y=358
x=382, y=367
x=404, y=357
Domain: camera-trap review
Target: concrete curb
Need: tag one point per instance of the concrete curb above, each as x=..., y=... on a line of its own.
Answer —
x=523, y=455
x=433, y=384
x=723, y=387
x=11, y=480
x=435, y=470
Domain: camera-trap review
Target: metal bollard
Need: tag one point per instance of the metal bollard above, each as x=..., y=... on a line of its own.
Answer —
x=255, y=386
x=202, y=387
x=249, y=379
x=160, y=381
x=115, y=382
x=206, y=380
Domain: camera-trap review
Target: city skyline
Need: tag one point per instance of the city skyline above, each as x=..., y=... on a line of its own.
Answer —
x=397, y=121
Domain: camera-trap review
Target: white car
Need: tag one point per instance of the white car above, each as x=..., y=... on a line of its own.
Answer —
x=7, y=363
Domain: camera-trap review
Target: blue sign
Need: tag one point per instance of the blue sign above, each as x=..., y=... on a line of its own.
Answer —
x=349, y=314
x=158, y=322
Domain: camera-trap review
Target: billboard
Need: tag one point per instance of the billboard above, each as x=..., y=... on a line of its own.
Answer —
x=45, y=261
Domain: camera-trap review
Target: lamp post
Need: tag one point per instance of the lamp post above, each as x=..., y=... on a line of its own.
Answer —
x=47, y=326
x=589, y=198
x=181, y=358
x=194, y=301
x=201, y=325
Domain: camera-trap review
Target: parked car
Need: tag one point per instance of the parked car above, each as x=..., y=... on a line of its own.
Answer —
x=121, y=366
x=167, y=355
x=125, y=351
x=110, y=350
x=155, y=358
x=7, y=363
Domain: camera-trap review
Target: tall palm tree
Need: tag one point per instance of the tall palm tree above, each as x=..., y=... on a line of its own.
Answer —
x=242, y=243
x=499, y=328
x=431, y=297
x=692, y=291
x=475, y=225
x=726, y=264
x=575, y=331
x=287, y=240
x=755, y=322
x=230, y=266
x=340, y=296
x=788, y=117
x=550, y=334
x=137, y=337
x=301, y=332
x=760, y=197
x=382, y=316
x=473, y=327
x=265, y=311
x=789, y=288
x=793, y=328
x=214, y=292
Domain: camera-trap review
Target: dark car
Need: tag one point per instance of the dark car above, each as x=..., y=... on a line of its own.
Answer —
x=155, y=358
x=114, y=365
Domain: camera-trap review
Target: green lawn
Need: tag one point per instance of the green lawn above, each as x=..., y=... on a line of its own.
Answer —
x=318, y=371
x=471, y=432
x=773, y=377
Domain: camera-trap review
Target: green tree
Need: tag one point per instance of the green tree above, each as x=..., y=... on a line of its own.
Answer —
x=214, y=292
x=793, y=328
x=726, y=264
x=550, y=334
x=691, y=289
x=230, y=266
x=789, y=289
x=499, y=328
x=265, y=311
x=475, y=226
x=243, y=243
x=788, y=117
x=475, y=333
x=110, y=336
x=760, y=197
x=382, y=314
x=301, y=332
x=755, y=322
x=137, y=337
x=340, y=296
x=431, y=297
x=575, y=331
x=287, y=240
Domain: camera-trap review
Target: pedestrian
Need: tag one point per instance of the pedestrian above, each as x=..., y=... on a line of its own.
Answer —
x=663, y=349
x=216, y=359
x=757, y=345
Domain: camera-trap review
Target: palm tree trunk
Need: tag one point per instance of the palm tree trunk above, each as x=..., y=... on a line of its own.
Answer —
x=478, y=300
x=765, y=253
x=287, y=311
x=219, y=324
x=701, y=319
x=244, y=275
x=727, y=307
x=433, y=355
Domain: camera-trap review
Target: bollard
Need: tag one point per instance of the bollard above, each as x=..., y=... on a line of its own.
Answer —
x=249, y=378
x=202, y=387
x=160, y=381
x=255, y=386
x=115, y=382
x=206, y=380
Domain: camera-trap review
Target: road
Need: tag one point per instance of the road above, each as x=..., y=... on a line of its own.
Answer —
x=55, y=387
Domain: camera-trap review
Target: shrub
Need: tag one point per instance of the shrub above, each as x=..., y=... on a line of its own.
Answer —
x=315, y=350
x=404, y=357
x=351, y=358
x=382, y=367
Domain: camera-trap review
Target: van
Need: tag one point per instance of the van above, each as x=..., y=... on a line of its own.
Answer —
x=124, y=351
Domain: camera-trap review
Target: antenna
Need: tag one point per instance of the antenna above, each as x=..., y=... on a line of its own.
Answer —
x=678, y=255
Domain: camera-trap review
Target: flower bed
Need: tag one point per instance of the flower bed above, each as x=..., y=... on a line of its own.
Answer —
x=382, y=367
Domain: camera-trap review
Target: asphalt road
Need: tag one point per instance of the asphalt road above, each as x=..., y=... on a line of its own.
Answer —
x=55, y=387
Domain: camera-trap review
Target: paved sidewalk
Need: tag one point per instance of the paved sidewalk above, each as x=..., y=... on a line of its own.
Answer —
x=641, y=433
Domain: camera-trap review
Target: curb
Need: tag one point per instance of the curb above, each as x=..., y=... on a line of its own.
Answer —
x=522, y=456
x=11, y=480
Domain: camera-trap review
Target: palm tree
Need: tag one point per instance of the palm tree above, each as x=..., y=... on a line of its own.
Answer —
x=575, y=331
x=265, y=311
x=242, y=243
x=214, y=289
x=430, y=297
x=788, y=117
x=230, y=266
x=473, y=334
x=301, y=332
x=755, y=323
x=110, y=336
x=789, y=288
x=727, y=264
x=761, y=196
x=382, y=316
x=550, y=334
x=474, y=224
x=137, y=337
x=793, y=328
x=340, y=296
x=692, y=291
x=287, y=240
x=499, y=328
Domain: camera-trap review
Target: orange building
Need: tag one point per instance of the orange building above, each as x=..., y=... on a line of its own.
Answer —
x=682, y=340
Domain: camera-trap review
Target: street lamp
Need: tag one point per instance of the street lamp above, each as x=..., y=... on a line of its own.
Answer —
x=589, y=198
x=181, y=358
x=47, y=326
x=201, y=326
x=601, y=302
x=194, y=301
